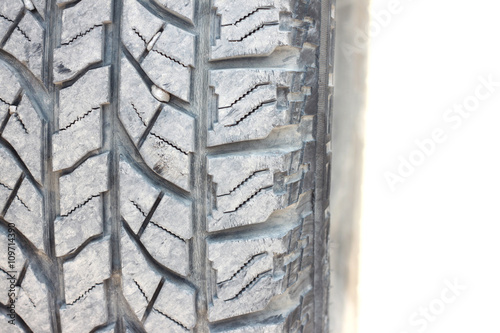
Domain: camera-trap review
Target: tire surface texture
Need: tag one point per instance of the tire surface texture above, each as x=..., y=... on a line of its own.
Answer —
x=164, y=165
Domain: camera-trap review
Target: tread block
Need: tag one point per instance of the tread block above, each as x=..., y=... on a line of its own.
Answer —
x=156, y=44
x=248, y=188
x=5, y=266
x=250, y=268
x=89, y=92
x=10, y=86
x=137, y=105
x=137, y=196
x=267, y=327
x=139, y=279
x=88, y=312
x=158, y=322
x=167, y=248
x=250, y=103
x=10, y=170
x=296, y=318
x=266, y=322
x=176, y=215
x=39, y=5
x=24, y=133
x=13, y=329
x=4, y=195
x=86, y=271
x=68, y=59
x=253, y=28
x=26, y=43
x=253, y=285
x=26, y=212
x=71, y=231
x=31, y=303
x=80, y=19
x=260, y=16
x=167, y=160
x=167, y=43
x=176, y=127
x=184, y=8
x=139, y=26
x=167, y=305
x=230, y=201
x=166, y=236
x=72, y=143
x=4, y=110
x=87, y=181
x=8, y=11
x=253, y=297
x=173, y=52
x=168, y=146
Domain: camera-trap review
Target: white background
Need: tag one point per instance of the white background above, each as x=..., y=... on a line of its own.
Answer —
x=442, y=223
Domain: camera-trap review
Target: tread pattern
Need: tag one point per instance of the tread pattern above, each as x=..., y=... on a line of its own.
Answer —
x=161, y=221
x=161, y=161
x=264, y=194
x=22, y=35
x=81, y=239
x=21, y=203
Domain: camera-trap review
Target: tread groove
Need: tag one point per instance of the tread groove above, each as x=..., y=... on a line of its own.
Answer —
x=149, y=308
x=145, y=134
x=19, y=161
x=14, y=26
x=166, y=272
x=22, y=274
x=134, y=157
x=150, y=214
x=17, y=196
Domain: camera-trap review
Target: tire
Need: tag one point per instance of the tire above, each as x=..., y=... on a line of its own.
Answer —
x=164, y=165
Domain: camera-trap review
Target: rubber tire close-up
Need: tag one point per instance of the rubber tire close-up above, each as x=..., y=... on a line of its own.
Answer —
x=164, y=165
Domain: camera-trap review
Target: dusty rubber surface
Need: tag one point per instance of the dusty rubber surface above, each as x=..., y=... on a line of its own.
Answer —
x=164, y=165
